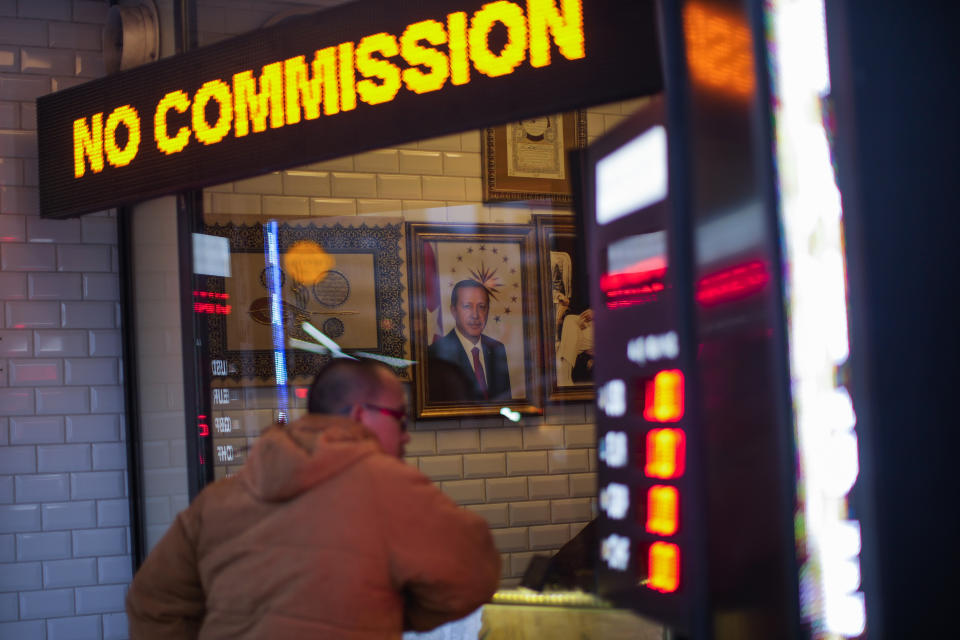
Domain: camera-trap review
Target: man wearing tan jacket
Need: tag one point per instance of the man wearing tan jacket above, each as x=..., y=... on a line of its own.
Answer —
x=320, y=535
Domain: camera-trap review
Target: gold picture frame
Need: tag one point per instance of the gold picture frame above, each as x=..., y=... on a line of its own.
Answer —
x=501, y=258
x=567, y=323
x=529, y=159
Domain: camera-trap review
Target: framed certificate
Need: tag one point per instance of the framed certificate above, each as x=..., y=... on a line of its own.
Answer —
x=527, y=160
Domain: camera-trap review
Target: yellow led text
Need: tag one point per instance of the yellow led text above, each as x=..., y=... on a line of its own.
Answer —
x=387, y=74
x=425, y=57
x=433, y=33
x=219, y=92
x=92, y=140
x=179, y=102
x=513, y=53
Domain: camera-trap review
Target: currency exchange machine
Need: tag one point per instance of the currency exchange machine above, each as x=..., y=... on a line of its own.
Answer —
x=726, y=435
x=649, y=524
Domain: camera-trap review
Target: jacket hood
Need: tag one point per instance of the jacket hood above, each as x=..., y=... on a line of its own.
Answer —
x=290, y=459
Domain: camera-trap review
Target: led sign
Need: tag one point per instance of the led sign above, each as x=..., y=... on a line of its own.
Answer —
x=290, y=90
x=212, y=303
x=718, y=50
x=364, y=75
x=651, y=549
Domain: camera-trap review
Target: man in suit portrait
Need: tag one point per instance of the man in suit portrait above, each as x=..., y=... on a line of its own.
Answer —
x=481, y=360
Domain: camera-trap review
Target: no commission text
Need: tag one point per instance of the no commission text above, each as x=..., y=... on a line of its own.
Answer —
x=426, y=57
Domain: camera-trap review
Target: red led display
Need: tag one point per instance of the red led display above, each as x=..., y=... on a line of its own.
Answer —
x=664, y=567
x=635, y=284
x=663, y=397
x=663, y=509
x=732, y=284
x=634, y=275
x=212, y=308
x=630, y=297
x=665, y=453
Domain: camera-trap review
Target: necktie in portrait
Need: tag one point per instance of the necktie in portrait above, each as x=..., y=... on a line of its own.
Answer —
x=478, y=371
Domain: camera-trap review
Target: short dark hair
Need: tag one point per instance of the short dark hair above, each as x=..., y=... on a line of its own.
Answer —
x=466, y=284
x=341, y=383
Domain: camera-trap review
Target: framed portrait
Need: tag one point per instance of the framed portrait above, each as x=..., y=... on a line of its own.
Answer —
x=342, y=278
x=565, y=311
x=473, y=310
x=528, y=160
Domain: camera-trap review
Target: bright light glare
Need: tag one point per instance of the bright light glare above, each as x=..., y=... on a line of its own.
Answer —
x=613, y=449
x=509, y=414
x=838, y=464
x=841, y=539
x=615, y=551
x=803, y=44
x=615, y=500
x=842, y=577
x=211, y=255
x=271, y=251
x=390, y=360
x=296, y=343
x=816, y=300
x=612, y=398
x=322, y=338
x=622, y=187
x=846, y=614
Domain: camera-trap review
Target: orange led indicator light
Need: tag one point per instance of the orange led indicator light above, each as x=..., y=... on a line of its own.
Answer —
x=663, y=397
x=664, y=563
x=662, y=510
x=666, y=453
x=425, y=57
x=718, y=50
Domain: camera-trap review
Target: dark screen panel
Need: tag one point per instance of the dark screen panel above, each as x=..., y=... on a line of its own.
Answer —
x=490, y=71
x=742, y=355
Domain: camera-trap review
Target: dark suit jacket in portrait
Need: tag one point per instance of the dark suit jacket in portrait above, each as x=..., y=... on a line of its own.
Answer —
x=448, y=351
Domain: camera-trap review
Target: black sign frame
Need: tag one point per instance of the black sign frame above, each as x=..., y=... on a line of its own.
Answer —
x=621, y=60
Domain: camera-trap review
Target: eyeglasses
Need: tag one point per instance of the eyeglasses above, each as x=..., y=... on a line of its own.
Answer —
x=400, y=415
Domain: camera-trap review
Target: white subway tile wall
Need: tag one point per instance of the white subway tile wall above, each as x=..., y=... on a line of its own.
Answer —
x=64, y=513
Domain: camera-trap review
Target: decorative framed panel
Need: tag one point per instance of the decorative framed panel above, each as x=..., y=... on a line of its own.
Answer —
x=528, y=160
x=345, y=280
